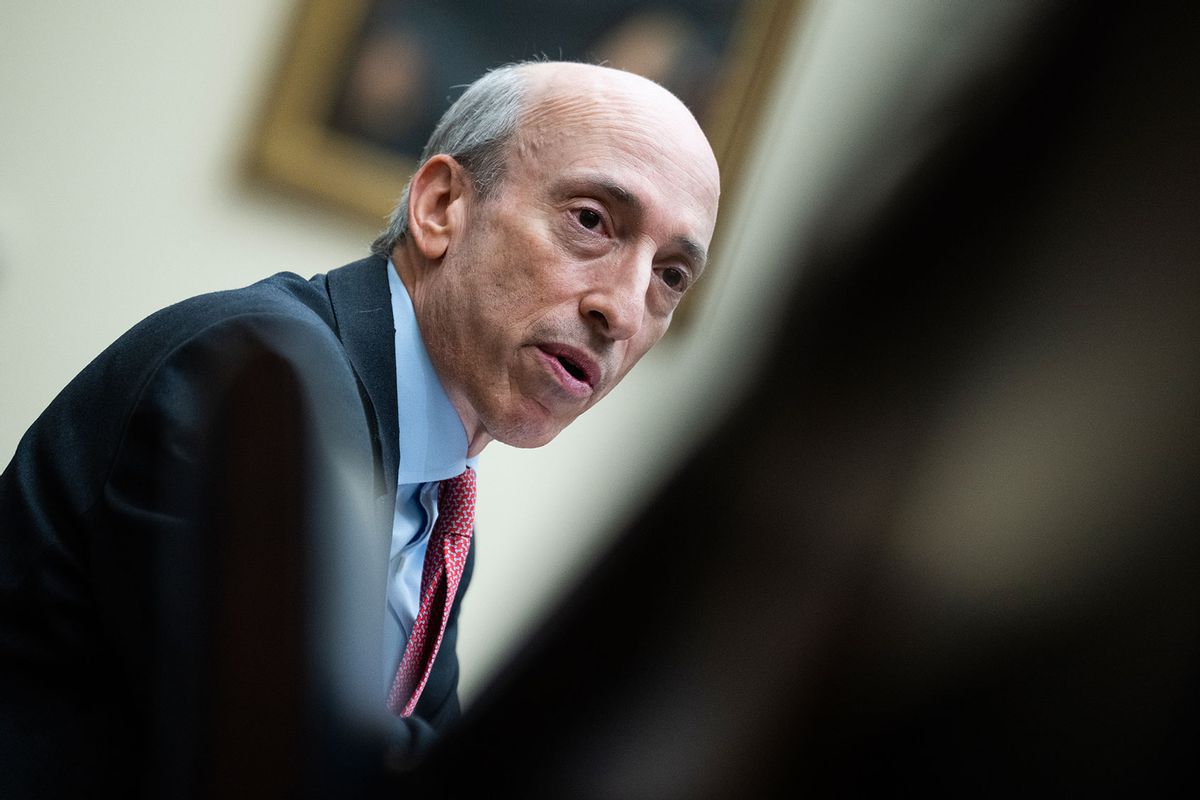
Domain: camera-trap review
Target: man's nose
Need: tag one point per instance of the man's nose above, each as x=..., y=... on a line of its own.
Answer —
x=616, y=302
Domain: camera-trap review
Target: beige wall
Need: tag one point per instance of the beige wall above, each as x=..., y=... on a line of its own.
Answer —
x=121, y=130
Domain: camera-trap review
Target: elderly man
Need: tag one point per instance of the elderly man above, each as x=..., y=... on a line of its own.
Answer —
x=559, y=214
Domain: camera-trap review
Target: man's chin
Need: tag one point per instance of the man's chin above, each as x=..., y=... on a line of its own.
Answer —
x=527, y=440
x=527, y=433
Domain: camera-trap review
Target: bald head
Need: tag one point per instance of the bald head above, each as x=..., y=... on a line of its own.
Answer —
x=554, y=86
x=559, y=92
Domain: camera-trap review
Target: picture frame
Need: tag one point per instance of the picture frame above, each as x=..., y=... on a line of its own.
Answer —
x=316, y=138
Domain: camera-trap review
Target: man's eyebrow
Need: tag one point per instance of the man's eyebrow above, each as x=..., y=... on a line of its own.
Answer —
x=619, y=193
x=691, y=248
x=695, y=253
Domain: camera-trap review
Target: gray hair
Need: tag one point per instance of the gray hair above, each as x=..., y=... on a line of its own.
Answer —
x=475, y=131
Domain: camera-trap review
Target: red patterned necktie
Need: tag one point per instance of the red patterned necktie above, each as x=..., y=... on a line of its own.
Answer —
x=445, y=556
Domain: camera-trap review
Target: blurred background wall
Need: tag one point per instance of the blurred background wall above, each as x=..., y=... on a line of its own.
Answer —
x=123, y=134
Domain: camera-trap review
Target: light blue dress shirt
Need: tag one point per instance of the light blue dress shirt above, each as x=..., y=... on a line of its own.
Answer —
x=433, y=447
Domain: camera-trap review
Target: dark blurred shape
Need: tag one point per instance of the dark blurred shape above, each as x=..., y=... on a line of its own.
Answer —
x=281, y=523
x=948, y=540
x=274, y=690
x=225, y=638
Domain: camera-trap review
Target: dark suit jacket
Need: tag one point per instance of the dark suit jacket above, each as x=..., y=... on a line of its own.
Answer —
x=140, y=587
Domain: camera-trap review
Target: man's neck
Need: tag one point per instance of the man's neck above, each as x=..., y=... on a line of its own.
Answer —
x=477, y=436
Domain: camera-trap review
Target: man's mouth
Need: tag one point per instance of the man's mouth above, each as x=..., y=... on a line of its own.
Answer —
x=570, y=366
x=577, y=364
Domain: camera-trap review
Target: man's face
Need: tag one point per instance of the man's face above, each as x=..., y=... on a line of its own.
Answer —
x=569, y=272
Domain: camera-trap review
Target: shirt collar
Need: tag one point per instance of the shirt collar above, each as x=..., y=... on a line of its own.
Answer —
x=433, y=442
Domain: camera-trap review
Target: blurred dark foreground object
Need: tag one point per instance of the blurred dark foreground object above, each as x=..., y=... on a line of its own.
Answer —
x=948, y=541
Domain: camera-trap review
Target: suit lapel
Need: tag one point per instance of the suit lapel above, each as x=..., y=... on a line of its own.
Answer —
x=362, y=308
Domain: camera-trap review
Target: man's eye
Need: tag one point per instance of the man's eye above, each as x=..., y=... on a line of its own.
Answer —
x=675, y=278
x=589, y=219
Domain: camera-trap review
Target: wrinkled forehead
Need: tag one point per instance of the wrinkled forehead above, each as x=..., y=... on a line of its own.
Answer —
x=587, y=109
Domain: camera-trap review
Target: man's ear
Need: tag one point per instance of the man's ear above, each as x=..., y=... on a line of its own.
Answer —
x=436, y=205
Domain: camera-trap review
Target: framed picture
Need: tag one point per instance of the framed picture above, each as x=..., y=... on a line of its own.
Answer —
x=365, y=81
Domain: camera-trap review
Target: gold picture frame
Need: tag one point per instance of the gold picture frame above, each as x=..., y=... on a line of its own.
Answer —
x=300, y=145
